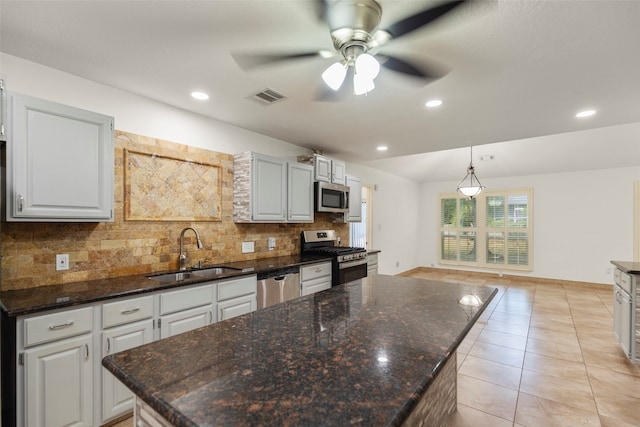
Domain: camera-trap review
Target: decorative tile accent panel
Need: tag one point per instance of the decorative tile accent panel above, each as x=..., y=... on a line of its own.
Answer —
x=120, y=248
x=439, y=401
x=161, y=188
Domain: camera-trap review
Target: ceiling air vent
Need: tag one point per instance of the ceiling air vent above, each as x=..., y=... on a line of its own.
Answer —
x=267, y=97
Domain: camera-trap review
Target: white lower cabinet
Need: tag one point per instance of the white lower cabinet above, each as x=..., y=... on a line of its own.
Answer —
x=59, y=383
x=186, y=309
x=315, y=278
x=372, y=264
x=185, y=321
x=59, y=380
x=237, y=297
x=117, y=399
x=236, y=307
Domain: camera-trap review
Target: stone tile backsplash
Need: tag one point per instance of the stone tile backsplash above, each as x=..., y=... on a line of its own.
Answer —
x=120, y=248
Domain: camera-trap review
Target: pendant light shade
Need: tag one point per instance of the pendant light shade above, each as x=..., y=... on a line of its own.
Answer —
x=470, y=185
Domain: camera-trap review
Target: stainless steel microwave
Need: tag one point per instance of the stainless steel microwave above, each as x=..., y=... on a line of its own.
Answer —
x=331, y=197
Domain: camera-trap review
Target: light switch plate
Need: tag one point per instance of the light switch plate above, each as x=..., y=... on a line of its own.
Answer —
x=272, y=243
x=247, y=247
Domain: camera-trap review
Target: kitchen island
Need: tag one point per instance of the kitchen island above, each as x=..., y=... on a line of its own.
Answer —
x=378, y=351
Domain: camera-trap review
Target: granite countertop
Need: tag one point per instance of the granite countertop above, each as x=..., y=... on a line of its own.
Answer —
x=628, y=267
x=27, y=301
x=360, y=353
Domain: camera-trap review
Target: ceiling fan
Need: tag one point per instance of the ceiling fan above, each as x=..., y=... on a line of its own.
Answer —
x=353, y=25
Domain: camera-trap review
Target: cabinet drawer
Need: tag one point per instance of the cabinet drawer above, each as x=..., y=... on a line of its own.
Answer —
x=314, y=271
x=237, y=287
x=616, y=276
x=55, y=326
x=127, y=311
x=184, y=299
x=625, y=282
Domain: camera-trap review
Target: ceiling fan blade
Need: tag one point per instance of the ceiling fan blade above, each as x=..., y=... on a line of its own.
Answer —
x=321, y=8
x=421, y=19
x=429, y=72
x=251, y=61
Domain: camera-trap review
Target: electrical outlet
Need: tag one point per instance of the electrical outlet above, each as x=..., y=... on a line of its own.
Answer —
x=62, y=261
x=272, y=243
x=247, y=247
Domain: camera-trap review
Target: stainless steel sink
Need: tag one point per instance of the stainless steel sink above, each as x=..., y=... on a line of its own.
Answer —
x=192, y=274
x=173, y=277
x=213, y=271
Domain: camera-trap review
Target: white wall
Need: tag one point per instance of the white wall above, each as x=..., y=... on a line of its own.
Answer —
x=395, y=218
x=582, y=221
x=395, y=203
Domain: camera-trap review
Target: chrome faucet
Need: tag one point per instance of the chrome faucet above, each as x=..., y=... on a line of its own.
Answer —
x=183, y=256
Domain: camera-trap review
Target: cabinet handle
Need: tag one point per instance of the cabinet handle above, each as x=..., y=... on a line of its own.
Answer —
x=211, y=316
x=20, y=202
x=86, y=352
x=108, y=345
x=318, y=270
x=61, y=326
x=130, y=310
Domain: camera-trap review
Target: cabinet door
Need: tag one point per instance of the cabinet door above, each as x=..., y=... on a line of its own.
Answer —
x=59, y=383
x=300, y=193
x=355, y=199
x=316, y=285
x=3, y=111
x=268, y=188
x=338, y=172
x=117, y=398
x=236, y=307
x=184, y=321
x=59, y=162
x=322, y=168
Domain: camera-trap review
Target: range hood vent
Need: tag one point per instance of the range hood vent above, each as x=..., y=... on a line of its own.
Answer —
x=267, y=97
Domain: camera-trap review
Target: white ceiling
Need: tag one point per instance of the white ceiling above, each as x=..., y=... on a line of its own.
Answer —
x=518, y=70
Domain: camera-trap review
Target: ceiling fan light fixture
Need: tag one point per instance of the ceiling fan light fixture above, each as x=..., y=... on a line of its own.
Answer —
x=470, y=185
x=334, y=75
x=367, y=66
x=362, y=85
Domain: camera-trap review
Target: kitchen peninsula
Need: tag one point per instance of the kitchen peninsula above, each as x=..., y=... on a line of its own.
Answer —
x=377, y=351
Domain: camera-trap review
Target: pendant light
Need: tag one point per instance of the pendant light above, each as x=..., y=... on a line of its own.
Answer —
x=470, y=185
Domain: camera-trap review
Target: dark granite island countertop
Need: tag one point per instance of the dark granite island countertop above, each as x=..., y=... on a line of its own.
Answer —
x=361, y=353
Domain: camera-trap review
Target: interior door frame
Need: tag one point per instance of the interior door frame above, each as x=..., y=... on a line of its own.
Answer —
x=636, y=221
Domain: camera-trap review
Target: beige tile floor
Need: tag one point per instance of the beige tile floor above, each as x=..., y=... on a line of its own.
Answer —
x=541, y=355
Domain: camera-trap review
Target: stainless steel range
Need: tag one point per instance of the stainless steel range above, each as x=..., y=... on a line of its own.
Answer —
x=348, y=263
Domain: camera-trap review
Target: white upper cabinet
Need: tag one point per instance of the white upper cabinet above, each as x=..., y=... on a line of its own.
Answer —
x=300, y=193
x=3, y=110
x=328, y=170
x=338, y=170
x=59, y=162
x=355, y=199
x=269, y=189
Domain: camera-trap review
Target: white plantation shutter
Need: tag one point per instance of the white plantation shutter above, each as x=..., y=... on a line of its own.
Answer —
x=492, y=230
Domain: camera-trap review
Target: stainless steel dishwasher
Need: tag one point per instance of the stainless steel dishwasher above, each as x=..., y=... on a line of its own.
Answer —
x=278, y=286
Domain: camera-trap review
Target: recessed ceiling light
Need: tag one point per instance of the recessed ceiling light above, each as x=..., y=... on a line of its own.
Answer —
x=200, y=95
x=585, y=113
x=433, y=103
x=382, y=148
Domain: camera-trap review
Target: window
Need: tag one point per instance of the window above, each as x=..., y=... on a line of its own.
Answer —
x=492, y=230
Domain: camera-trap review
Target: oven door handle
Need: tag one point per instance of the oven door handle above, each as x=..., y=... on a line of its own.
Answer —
x=350, y=264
